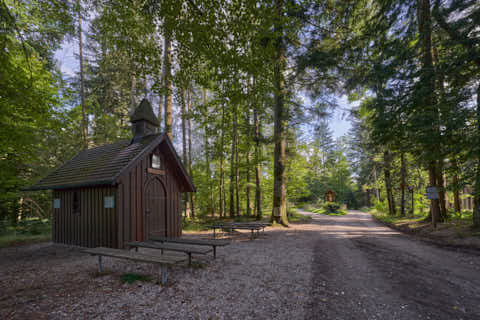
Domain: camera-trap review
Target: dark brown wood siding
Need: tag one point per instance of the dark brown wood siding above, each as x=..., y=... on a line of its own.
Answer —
x=131, y=200
x=93, y=225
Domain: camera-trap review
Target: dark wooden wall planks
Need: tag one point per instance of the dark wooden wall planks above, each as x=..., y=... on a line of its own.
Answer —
x=131, y=204
x=92, y=226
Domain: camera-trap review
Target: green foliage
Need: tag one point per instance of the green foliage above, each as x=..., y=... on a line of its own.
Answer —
x=372, y=50
x=380, y=206
x=33, y=227
x=331, y=207
x=196, y=224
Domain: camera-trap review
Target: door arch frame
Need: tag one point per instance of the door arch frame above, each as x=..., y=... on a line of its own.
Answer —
x=145, y=188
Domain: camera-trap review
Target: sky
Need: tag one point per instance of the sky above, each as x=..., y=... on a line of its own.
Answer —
x=339, y=122
x=68, y=64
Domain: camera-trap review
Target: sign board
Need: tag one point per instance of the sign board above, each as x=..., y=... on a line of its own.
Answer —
x=432, y=193
x=56, y=203
x=109, y=202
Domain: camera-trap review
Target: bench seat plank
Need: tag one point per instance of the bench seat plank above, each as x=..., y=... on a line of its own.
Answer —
x=118, y=253
x=199, y=242
x=230, y=226
x=171, y=247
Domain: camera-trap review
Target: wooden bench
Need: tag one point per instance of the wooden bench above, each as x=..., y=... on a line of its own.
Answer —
x=198, y=242
x=188, y=249
x=163, y=261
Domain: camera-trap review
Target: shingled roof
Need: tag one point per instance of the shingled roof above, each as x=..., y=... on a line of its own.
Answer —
x=103, y=165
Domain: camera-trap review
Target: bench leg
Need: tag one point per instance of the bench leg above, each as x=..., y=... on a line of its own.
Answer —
x=252, y=234
x=214, y=235
x=214, y=252
x=189, y=259
x=99, y=264
x=163, y=274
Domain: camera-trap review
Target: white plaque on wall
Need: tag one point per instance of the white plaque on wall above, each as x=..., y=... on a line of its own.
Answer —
x=109, y=202
x=56, y=203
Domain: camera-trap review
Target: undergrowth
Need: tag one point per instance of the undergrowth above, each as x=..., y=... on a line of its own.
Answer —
x=25, y=231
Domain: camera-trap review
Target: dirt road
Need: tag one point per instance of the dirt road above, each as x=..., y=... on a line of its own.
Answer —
x=363, y=270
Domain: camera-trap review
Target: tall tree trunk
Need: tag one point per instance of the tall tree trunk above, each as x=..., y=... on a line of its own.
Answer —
x=377, y=191
x=456, y=192
x=248, y=188
x=222, y=171
x=184, y=145
x=132, y=94
x=237, y=167
x=82, y=79
x=167, y=78
x=233, y=164
x=388, y=182
x=211, y=206
x=258, y=156
x=189, y=107
x=440, y=80
x=476, y=194
x=279, y=211
x=403, y=174
x=427, y=78
x=441, y=191
x=247, y=159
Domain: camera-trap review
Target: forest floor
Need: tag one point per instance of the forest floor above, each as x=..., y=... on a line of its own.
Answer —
x=334, y=267
x=455, y=232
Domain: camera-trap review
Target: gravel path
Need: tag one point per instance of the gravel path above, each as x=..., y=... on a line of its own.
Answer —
x=345, y=267
x=363, y=270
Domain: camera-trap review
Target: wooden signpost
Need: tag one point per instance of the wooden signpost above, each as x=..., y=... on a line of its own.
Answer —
x=432, y=193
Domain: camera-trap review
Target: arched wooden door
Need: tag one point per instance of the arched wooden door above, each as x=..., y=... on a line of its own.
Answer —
x=155, y=209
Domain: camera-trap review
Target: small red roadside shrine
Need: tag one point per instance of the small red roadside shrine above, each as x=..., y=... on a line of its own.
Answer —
x=330, y=196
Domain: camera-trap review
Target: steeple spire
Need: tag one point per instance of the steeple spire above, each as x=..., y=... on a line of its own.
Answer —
x=144, y=122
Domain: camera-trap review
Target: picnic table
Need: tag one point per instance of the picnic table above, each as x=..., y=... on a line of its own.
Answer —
x=198, y=242
x=252, y=226
x=163, y=261
x=185, y=248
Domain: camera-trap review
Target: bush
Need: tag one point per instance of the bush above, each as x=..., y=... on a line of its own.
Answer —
x=380, y=206
x=330, y=207
x=308, y=207
x=32, y=227
x=4, y=226
x=291, y=211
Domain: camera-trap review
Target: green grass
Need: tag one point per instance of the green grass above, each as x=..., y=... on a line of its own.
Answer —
x=195, y=225
x=294, y=216
x=132, y=277
x=382, y=216
x=8, y=240
x=457, y=226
